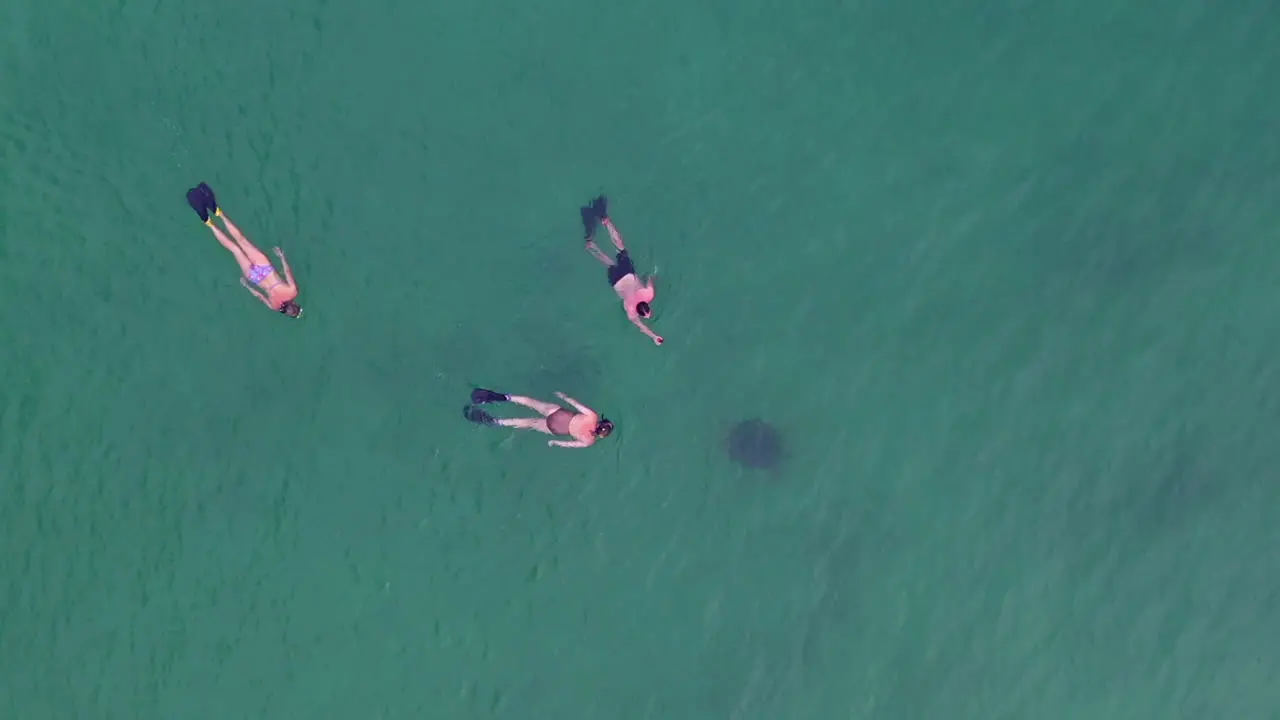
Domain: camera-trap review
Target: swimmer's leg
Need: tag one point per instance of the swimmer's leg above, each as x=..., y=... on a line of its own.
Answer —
x=614, y=234
x=246, y=267
x=598, y=254
x=539, y=424
x=256, y=256
x=538, y=406
x=600, y=208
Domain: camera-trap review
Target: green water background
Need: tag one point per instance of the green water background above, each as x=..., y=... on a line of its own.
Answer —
x=1003, y=274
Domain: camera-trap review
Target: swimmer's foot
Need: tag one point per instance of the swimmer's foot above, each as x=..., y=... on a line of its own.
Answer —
x=480, y=396
x=478, y=416
x=589, y=222
x=210, y=202
x=600, y=208
x=195, y=198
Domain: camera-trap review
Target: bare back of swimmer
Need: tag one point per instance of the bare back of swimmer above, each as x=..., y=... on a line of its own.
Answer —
x=585, y=425
x=636, y=295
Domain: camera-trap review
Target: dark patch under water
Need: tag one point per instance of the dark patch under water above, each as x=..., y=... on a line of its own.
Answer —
x=756, y=444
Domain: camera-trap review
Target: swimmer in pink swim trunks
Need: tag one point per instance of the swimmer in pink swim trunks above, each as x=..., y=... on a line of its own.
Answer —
x=636, y=295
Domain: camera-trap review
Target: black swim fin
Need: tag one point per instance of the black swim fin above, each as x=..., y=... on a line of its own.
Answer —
x=196, y=199
x=589, y=222
x=210, y=201
x=478, y=416
x=600, y=207
x=480, y=396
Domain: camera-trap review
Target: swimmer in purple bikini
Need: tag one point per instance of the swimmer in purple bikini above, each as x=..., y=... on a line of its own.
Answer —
x=260, y=277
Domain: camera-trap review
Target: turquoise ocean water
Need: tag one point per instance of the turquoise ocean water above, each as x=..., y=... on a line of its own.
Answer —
x=1003, y=275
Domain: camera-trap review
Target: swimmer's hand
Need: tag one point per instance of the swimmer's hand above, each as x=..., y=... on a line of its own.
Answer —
x=284, y=262
x=254, y=290
x=657, y=339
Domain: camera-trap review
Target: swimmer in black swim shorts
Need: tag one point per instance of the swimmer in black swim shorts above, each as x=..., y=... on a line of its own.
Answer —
x=620, y=268
x=636, y=295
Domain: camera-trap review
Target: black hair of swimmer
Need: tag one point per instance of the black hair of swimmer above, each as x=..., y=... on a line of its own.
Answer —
x=291, y=308
x=480, y=396
x=603, y=428
x=644, y=309
x=478, y=416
